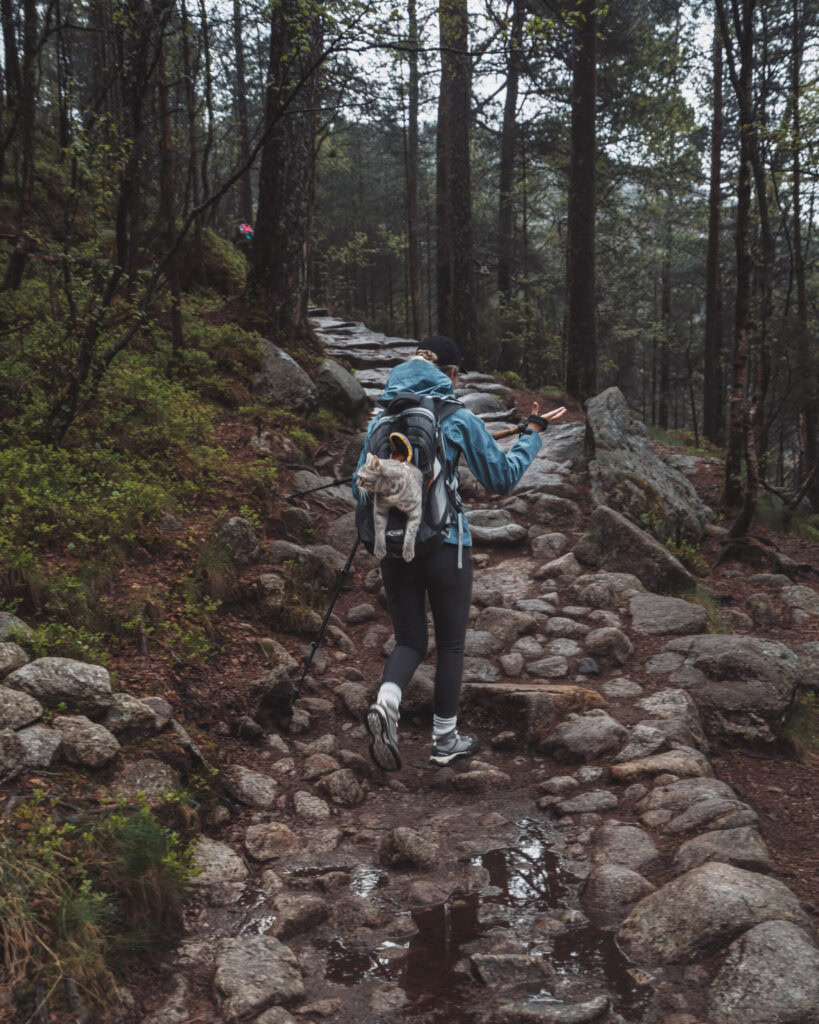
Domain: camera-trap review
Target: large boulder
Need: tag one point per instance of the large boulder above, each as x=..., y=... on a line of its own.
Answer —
x=627, y=475
x=281, y=382
x=770, y=976
x=585, y=737
x=84, y=742
x=613, y=542
x=55, y=681
x=11, y=626
x=703, y=909
x=254, y=972
x=339, y=390
x=744, y=686
x=660, y=616
x=12, y=755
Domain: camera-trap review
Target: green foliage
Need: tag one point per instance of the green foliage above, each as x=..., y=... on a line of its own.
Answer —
x=218, y=265
x=801, y=730
x=808, y=528
x=76, y=897
x=685, y=439
x=62, y=640
x=690, y=556
x=82, y=498
x=716, y=622
x=180, y=619
x=513, y=379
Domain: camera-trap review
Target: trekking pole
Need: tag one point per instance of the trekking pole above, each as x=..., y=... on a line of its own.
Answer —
x=321, y=487
x=553, y=415
x=308, y=660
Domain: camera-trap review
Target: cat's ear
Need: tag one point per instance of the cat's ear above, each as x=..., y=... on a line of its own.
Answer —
x=376, y=461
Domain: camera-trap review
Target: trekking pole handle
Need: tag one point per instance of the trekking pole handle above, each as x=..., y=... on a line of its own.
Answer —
x=555, y=414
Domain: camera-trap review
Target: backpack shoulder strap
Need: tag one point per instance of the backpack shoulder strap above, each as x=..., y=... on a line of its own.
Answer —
x=446, y=406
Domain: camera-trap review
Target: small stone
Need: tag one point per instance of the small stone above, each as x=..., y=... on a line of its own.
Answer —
x=360, y=613
x=85, y=742
x=310, y=808
x=270, y=840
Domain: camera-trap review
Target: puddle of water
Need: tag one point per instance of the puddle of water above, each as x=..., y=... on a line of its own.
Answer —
x=526, y=880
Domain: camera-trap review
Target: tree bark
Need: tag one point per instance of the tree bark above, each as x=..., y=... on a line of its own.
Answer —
x=205, y=168
x=581, y=340
x=667, y=328
x=413, y=228
x=245, y=193
x=809, y=413
x=279, y=256
x=456, y=82
x=11, y=60
x=166, y=204
x=732, y=490
x=27, y=114
x=506, y=208
x=712, y=385
x=443, y=275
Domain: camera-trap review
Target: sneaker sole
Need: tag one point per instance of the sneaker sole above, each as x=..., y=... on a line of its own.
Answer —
x=449, y=758
x=383, y=749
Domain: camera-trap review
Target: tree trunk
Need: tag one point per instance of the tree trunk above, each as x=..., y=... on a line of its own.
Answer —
x=167, y=210
x=203, y=16
x=667, y=329
x=738, y=420
x=279, y=257
x=27, y=112
x=712, y=386
x=581, y=340
x=413, y=228
x=510, y=345
x=805, y=359
x=11, y=61
x=456, y=87
x=506, y=208
x=443, y=275
x=245, y=194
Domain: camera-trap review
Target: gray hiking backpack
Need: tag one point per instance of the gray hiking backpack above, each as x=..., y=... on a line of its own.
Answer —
x=418, y=419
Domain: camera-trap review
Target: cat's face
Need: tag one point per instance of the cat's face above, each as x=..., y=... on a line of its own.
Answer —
x=382, y=476
x=369, y=473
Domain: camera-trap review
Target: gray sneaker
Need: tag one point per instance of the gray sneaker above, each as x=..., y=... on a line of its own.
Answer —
x=381, y=724
x=447, y=748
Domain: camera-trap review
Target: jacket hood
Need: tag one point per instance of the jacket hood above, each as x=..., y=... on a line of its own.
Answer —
x=420, y=377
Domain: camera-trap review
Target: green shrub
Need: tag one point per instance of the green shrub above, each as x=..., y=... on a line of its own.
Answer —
x=802, y=727
x=83, y=498
x=76, y=898
x=690, y=556
x=62, y=640
x=218, y=264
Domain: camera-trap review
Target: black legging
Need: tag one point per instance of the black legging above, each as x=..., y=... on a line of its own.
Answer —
x=450, y=591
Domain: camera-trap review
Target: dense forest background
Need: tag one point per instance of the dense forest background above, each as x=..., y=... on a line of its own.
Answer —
x=581, y=195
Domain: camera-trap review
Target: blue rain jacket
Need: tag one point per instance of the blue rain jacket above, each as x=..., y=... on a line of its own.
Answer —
x=464, y=433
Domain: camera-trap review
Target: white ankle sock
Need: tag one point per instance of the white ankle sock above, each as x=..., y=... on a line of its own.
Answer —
x=442, y=726
x=389, y=694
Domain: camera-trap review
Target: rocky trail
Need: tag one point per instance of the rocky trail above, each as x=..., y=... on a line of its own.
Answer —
x=607, y=856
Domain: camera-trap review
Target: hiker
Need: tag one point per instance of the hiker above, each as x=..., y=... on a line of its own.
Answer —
x=445, y=574
x=244, y=238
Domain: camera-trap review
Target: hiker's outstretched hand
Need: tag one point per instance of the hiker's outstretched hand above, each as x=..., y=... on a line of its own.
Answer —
x=539, y=422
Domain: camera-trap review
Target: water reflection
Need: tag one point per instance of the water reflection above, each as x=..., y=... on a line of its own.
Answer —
x=526, y=880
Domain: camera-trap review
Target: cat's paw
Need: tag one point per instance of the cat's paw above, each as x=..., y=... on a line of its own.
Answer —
x=380, y=551
x=408, y=552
